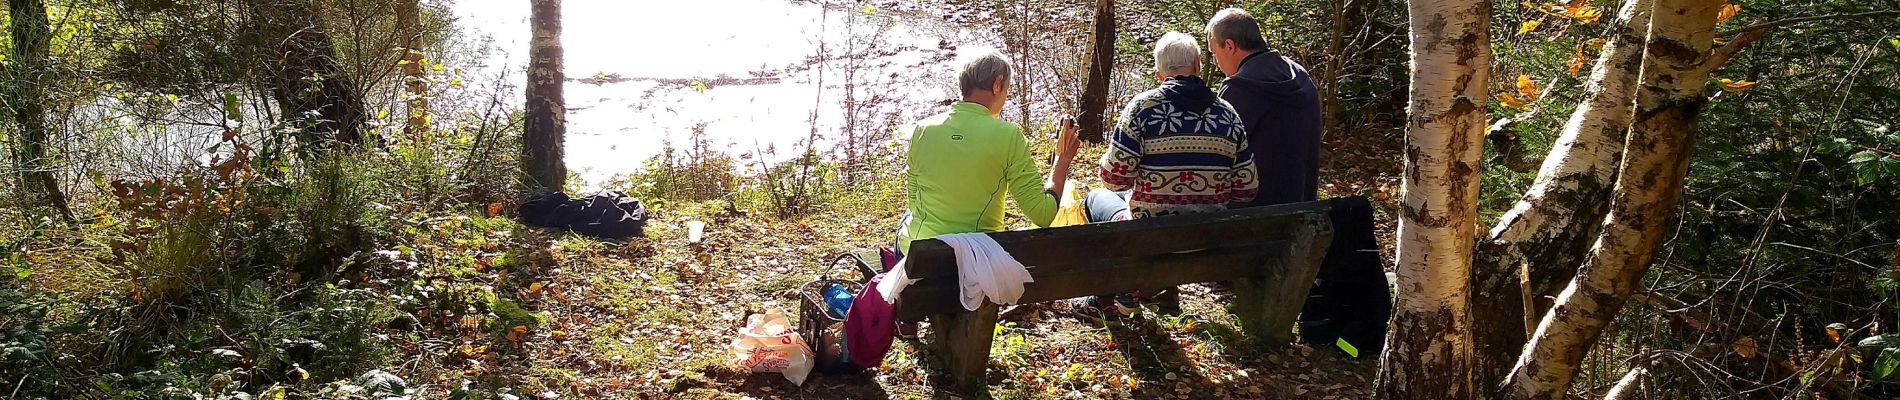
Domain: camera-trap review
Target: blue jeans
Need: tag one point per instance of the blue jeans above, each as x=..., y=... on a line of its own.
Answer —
x=1104, y=205
x=897, y=240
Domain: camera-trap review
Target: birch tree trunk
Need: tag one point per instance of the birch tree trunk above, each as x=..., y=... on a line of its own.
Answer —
x=1649, y=185
x=1546, y=234
x=545, y=125
x=25, y=104
x=1428, y=352
x=415, y=83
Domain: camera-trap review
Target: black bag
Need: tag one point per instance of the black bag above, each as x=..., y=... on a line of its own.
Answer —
x=1349, y=299
x=606, y=214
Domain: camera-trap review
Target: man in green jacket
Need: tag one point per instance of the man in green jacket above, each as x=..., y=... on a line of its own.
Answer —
x=964, y=161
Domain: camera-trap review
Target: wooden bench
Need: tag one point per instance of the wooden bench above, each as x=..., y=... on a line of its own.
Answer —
x=1269, y=255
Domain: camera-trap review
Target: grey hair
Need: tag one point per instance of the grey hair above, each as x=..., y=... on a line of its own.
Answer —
x=1236, y=25
x=981, y=71
x=1176, y=51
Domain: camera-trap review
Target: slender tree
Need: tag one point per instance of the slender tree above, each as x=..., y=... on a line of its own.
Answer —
x=1650, y=183
x=415, y=83
x=1427, y=354
x=1092, y=121
x=545, y=126
x=25, y=104
x=307, y=82
x=1546, y=234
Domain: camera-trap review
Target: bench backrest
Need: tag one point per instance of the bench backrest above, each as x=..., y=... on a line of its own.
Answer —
x=1142, y=254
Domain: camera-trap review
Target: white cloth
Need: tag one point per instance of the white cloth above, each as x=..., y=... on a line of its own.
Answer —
x=894, y=282
x=984, y=270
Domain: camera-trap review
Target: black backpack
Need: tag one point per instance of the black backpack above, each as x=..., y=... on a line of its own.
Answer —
x=1350, y=300
x=606, y=214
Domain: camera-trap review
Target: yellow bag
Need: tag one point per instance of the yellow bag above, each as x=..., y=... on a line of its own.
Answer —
x=1071, y=211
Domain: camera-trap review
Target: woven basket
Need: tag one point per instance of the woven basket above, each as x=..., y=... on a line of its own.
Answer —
x=822, y=330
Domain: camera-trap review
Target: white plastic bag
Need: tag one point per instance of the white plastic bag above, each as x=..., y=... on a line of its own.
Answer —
x=768, y=343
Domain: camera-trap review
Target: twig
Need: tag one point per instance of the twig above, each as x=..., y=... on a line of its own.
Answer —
x=1721, y=55
x=16, y=387
x=1792, y=21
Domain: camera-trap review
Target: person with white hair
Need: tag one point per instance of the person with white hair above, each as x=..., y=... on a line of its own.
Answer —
x=964, y=161
x=1176, y=149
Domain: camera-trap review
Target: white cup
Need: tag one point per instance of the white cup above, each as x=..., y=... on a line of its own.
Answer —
x=695, y=230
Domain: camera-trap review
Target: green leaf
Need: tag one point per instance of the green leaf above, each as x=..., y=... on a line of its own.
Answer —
x=232, y=110
x=1347, y=347
x=1887, y=365
x=1895, y=42
x=1863, y=157
x=1837, y=146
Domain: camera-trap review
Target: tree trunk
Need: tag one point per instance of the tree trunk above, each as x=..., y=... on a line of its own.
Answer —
x=25, y=103
x=1428, y=352
x=307, y=82
x=1646, y=192
x=1092, y=121
x=1329, y=75
x=415, y=83
x=545, y=129
x=1546, y=234
x=1632, y=383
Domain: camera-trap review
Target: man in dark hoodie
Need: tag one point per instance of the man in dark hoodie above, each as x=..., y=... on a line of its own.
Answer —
x=1277, y=104
x=1349, y=301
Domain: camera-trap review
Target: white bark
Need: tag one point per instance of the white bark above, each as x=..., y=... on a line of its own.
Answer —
x=1648, y=186
x=1630, y=387
x=1544, y=237
x=1428, y=353
x=1561, y=210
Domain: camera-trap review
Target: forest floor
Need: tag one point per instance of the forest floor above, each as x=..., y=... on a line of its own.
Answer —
x=653, y=317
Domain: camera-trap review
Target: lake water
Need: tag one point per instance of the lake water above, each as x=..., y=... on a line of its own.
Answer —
x=656, y=49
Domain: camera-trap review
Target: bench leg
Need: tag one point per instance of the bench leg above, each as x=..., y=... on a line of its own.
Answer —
x=1268, y=306
x=963, y=338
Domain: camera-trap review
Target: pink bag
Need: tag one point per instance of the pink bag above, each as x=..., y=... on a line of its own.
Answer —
x=871, y=325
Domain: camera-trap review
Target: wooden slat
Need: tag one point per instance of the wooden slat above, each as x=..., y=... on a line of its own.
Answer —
x=1121, y=275
x=932, y=258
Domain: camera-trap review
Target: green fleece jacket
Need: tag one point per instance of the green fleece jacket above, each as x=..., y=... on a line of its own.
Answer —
x=961, y=164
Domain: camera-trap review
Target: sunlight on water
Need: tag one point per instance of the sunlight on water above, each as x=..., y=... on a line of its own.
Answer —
x=656, y=49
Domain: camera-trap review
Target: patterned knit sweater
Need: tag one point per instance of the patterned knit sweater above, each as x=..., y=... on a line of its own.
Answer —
x=1182, y=150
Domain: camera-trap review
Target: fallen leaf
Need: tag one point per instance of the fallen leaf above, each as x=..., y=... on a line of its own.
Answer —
x=1529, y=26
x=1734, y=86
x=1583, y=13
x=1728, y=11
x=1745, y=347
x=1527, y=88
x=1510, y=100
x=1576, y=61
x=1834, y=332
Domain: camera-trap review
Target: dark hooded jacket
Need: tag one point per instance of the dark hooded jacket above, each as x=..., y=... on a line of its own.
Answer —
x=1280, y=108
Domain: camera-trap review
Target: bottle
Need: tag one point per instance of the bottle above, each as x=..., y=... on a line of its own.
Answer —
x=838, y=299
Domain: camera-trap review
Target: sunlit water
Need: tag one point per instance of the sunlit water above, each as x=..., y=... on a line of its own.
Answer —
x=613, y=127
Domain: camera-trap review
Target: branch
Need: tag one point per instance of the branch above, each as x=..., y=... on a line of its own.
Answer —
x=1792, y=21
x=1721, y=55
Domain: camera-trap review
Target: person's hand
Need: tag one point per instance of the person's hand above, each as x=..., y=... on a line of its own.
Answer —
x=1067, y=141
